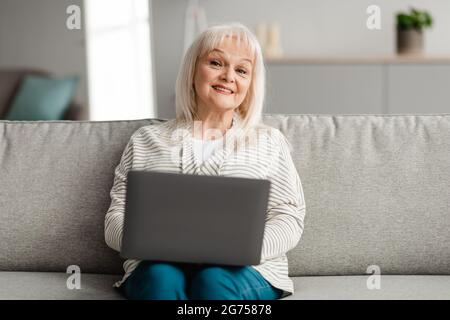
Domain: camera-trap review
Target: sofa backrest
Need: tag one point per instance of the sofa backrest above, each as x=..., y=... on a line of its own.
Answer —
x=377, y=193
x=376, y=190
x=54, y=193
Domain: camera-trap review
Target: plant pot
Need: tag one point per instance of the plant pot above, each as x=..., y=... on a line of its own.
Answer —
x=410, y=41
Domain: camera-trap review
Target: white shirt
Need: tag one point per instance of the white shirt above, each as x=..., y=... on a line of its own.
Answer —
x=203, y=149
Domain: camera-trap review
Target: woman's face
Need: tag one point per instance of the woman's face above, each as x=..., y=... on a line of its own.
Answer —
x=223, y=76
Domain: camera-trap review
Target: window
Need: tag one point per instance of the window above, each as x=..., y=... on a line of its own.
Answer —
x=119, y=59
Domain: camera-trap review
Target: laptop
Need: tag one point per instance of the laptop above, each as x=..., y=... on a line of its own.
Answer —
x=199, y=219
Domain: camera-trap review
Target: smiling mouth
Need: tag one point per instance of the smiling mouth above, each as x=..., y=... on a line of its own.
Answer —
x=222, y=90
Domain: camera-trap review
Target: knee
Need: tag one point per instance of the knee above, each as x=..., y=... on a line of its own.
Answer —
x=154, y=281
x=160, y=272
x=214, y=283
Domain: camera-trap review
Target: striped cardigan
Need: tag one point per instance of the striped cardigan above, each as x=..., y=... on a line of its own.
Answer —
x=168, y=147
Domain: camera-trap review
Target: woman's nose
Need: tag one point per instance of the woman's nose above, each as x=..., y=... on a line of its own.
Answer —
x=228, y=75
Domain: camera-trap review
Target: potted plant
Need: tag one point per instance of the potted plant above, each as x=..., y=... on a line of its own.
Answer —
x=410, y=28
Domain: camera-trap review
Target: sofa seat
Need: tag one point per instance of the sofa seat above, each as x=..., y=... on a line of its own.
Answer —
x=52, y=285
x=393, y=287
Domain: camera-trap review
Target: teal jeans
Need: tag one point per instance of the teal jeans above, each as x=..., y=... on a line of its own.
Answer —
x=155, y=280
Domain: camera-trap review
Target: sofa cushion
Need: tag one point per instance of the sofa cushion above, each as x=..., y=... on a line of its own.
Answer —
x=392, y=287
x=376, y=191
x=42, y=98
x=53, y=285
x=55, y=183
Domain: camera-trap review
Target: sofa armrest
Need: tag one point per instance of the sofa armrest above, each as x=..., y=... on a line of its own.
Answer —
x=75, y=112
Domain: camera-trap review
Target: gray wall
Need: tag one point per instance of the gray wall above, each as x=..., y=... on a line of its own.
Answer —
x=308, y=27
x=33, y=33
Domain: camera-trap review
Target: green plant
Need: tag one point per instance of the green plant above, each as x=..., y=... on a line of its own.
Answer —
x=416, y=19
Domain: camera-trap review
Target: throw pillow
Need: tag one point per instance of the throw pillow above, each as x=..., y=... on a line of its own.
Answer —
x=42, y=98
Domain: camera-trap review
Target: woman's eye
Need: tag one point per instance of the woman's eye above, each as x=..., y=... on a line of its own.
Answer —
x=242, y=71
x=215, y=63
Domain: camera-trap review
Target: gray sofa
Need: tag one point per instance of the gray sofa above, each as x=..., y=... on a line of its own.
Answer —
x=377, y=191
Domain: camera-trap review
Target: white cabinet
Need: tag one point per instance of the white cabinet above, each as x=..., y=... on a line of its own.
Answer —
x=324, y=89
x=365, y=87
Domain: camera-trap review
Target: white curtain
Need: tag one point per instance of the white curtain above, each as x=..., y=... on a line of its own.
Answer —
x=119, y=59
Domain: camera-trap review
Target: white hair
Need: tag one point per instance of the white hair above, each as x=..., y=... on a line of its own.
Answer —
x=250, y=110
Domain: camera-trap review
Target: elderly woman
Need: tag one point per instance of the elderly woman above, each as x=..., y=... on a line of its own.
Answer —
x=219, y=93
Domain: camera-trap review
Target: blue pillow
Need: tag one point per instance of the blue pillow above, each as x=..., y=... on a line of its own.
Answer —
x=42, y=98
